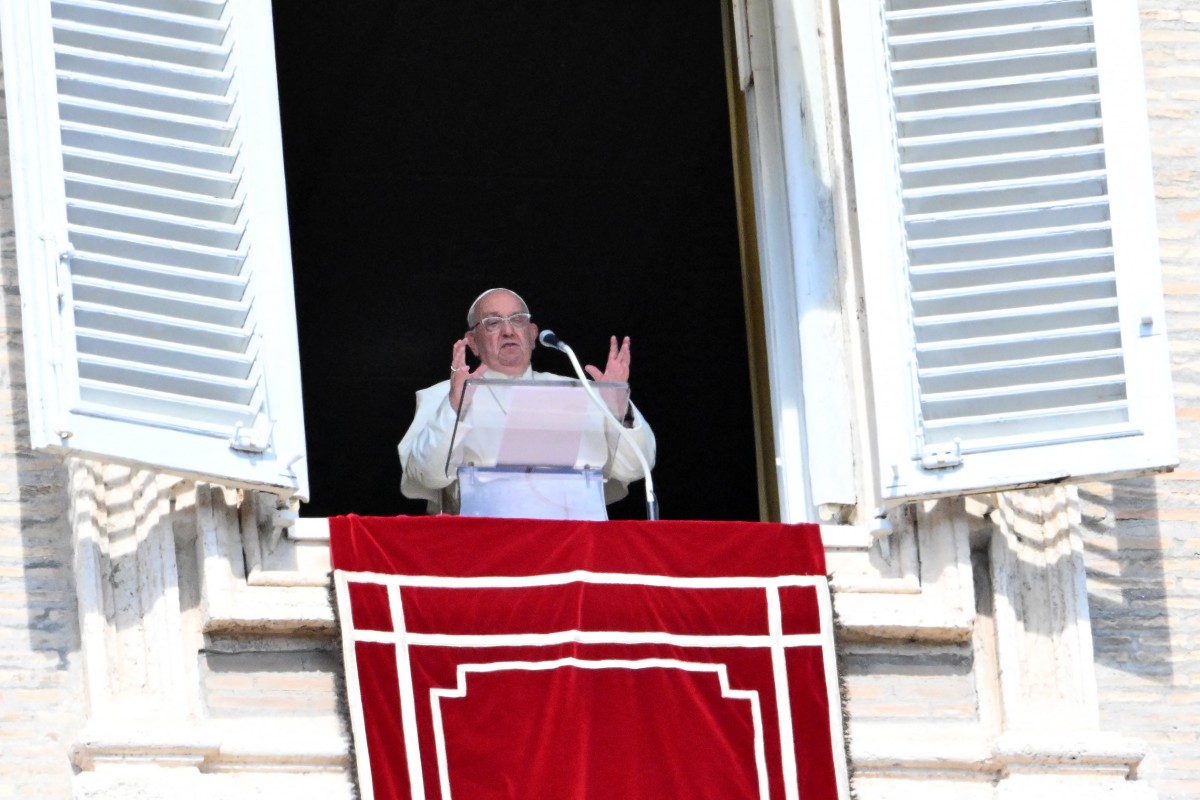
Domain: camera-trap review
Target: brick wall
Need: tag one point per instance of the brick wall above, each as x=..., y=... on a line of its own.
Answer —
x=902, y=681
x=297, y=681
x=1143, y=548
x=40, y=678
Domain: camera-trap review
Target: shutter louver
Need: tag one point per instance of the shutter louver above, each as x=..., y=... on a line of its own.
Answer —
x=175, y=223
x=151, y=166
x=1011, y=271
x=1004, y=234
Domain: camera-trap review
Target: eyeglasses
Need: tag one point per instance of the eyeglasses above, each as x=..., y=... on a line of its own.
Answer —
x=492, y=324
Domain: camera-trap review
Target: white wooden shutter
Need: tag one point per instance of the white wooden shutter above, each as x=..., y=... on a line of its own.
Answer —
x=1008, y=242
x=152, y=238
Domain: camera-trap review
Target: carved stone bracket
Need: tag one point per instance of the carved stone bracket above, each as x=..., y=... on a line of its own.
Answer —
x=1037, y=732
x=160, y=565
x=1050, y=740
x=1043, y=628
x=245, y=585
x=128, y=589
x=912, y=582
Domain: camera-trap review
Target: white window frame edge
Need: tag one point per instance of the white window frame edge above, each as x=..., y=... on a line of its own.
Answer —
x=788, y=121
x=273, y=269
x=40, y=223
x=1135, y=225
x=888, y=335
x=802, y=57
x=889, y=331
x=779, y=306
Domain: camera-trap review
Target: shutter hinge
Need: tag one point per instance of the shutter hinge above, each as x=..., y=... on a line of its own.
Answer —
x=252, y=440
x=942, y=456
x=62, y=275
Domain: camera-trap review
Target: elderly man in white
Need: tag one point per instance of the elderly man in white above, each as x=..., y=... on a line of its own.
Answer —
x=502, y=335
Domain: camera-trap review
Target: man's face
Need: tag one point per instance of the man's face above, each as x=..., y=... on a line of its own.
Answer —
x=509, y=348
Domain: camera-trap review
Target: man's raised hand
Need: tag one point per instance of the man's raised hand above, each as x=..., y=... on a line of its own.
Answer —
x=617, y=370
x=459, y=372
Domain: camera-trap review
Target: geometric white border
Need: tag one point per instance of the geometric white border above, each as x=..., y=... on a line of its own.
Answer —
x=402, y=640
x=760, y=756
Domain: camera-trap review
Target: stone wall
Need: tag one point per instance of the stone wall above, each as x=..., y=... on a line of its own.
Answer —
x=209, y=670
x=40, y=676
x=1142, y=542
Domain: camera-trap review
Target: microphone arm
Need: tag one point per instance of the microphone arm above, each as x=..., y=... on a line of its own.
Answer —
x=548, y=339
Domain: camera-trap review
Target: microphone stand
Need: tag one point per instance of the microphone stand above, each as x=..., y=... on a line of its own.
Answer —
x=549, y=339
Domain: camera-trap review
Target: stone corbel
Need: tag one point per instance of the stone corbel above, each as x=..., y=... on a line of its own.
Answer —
x=244, y=589
x=159, y=563
x=129, y=594
x=1049, y=741
x=274, y=555
x=911, y=581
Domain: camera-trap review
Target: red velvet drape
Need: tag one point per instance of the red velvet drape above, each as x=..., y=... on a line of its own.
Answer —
x=491, y=658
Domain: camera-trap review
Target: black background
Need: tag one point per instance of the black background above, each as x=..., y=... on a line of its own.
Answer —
x=576, y=153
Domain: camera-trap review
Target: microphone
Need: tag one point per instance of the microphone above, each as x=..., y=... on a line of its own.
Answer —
x=549, y=339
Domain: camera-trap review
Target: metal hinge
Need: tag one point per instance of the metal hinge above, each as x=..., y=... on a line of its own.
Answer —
x=942, y=456
x=252, y=440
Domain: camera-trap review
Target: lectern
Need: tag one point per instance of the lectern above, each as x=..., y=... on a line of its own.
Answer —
x=534, y=448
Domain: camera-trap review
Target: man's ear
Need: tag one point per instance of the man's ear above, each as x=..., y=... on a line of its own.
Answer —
x=470, y=337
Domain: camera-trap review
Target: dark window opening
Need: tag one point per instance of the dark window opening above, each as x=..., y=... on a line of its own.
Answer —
x=577, y=153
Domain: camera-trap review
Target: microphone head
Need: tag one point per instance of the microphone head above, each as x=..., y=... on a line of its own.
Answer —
x=549, y=339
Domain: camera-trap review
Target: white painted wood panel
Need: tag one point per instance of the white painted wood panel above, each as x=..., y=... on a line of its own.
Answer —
x=159, y=260
x=1013, y=337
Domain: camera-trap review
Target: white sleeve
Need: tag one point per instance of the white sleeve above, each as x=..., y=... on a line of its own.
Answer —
x=426, y=445
x=624, y=465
